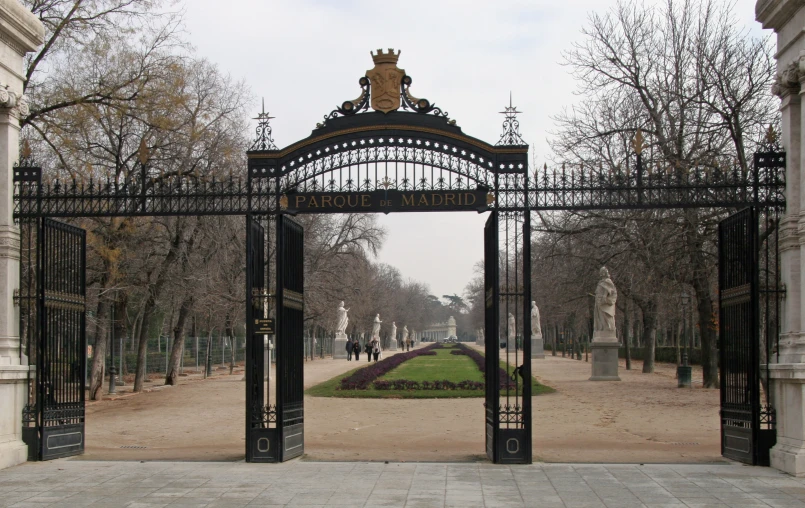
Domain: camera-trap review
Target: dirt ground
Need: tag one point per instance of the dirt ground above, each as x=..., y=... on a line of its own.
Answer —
x=644, y=418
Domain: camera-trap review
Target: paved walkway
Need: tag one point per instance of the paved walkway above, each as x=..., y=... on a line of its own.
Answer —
x=68, y=483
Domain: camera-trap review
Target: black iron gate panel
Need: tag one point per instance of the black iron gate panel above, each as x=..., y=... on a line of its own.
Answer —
x=739, y=336
x=491, y=319
x=62, y=343
x=290, y=332
x=261, y=432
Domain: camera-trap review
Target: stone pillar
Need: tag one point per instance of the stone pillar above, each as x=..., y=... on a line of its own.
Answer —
x=537, y=346
x=604, y=349
x=787, y=19
x=20, y=33
x=340, y=346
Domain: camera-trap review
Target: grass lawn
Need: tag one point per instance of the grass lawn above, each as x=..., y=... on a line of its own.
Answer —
x=443, y=366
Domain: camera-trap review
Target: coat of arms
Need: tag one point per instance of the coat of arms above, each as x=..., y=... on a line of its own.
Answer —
x=386, y=79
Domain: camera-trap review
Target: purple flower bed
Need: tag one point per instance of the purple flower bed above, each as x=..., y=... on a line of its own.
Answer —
x=360, y=379
x=405, y=384
x=480, y=361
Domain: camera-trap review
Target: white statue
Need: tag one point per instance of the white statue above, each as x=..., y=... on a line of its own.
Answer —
x=512, y=327
x=405, y=334
x=605, y=297
x=536, y=329
x=342, y=320
x=394, y=330
x=376, y=328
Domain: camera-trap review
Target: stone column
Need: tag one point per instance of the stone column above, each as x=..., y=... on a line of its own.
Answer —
x=787, y=19
x=20, y=33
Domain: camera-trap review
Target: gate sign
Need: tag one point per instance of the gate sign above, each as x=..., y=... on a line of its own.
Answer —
x=263, y=326
x=386, y=201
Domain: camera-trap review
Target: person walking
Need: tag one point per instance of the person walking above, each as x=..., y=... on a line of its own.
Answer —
x=356, y=348
x=376, y=348
x=368, y=350
x=349, y=350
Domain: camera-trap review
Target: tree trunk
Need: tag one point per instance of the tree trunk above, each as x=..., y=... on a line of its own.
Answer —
x=98, y=371
x=649, y=308
x=172, y=376
x=704, y=303
x=627, y=339
x=119, y=327
x=150, y=302
x=231, y=334
x=553, y=340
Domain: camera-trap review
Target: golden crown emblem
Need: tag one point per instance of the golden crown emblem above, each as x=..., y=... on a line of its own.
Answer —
x=385, y=58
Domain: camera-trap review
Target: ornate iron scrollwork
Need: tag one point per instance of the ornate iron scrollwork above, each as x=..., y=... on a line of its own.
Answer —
x=349, y=108
x=417, y=105
x=263, y=139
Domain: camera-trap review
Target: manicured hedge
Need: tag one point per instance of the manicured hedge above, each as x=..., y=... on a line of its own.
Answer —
x=405, y=384
x=480, y=361
x=361, y=378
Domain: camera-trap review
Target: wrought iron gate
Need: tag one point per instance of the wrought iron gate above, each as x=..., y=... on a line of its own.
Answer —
x=55, y=417
x=491, y=333
x=742, y=436
x=261, y=416
x=290, y=343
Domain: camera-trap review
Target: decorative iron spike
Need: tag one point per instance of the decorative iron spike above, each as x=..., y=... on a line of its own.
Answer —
x=637, y=142
x=143, y=153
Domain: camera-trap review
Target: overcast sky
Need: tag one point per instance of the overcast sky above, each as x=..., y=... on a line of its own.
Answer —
x=306, y=56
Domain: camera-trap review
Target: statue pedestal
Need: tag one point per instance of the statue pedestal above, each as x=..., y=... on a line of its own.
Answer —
x=340, y=346
x=393, y=345
x=511, y=344
x=604, y=348
x=537, y=346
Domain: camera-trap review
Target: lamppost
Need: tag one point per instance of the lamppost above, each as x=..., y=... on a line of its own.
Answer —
x=112, y=370
x=683, y=372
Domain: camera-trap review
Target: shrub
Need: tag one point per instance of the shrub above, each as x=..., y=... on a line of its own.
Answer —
x=405, y=384
x=362, y=378
x=480, y=361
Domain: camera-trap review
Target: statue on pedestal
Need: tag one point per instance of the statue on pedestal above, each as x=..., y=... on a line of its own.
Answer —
x=605, y=297
x=342, y=320
x=536, y=329
x=537, y=343
x=512, y=332
x=604, y=347
x=376, y=328
x=393, y=338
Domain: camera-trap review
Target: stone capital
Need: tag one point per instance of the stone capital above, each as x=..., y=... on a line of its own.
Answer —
x=787, y=80
x=775, y=14
x=20, y=29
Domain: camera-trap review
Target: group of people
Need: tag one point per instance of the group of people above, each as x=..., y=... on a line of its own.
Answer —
x=371, y=348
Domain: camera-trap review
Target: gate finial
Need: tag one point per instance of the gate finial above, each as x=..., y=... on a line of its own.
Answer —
x=511, y=126
x=263, y=139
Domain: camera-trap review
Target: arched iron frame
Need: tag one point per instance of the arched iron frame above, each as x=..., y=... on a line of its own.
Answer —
x=415, y=151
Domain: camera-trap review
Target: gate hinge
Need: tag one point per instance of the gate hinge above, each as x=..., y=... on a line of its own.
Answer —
x=16, y=297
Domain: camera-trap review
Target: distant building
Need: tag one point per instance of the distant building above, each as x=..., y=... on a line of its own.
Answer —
x=440, y=331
